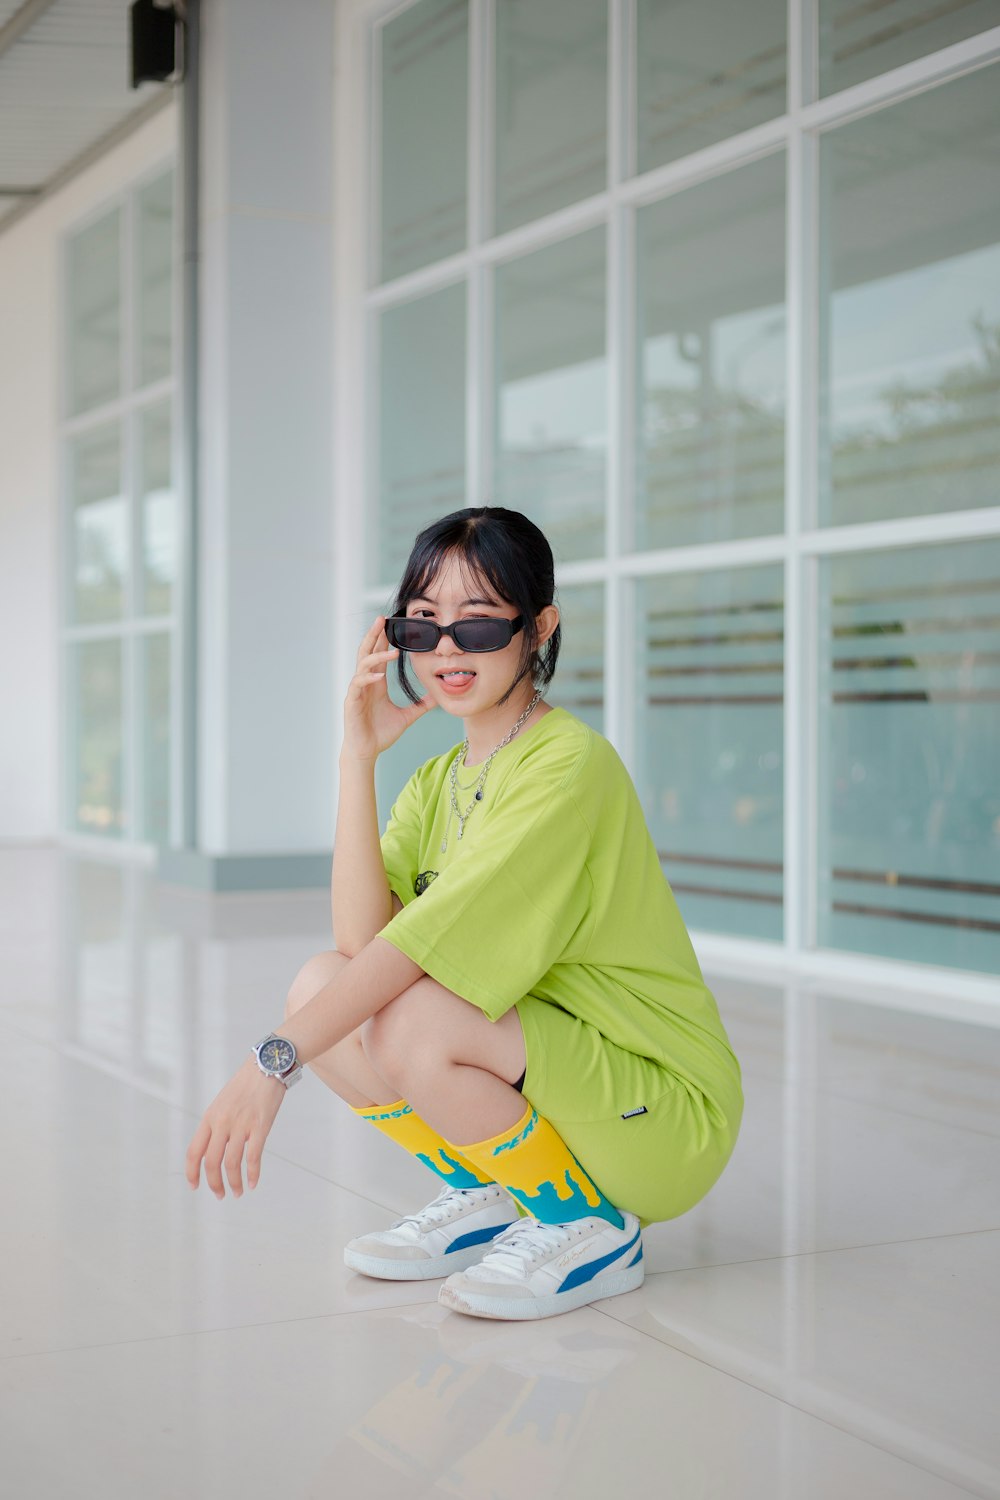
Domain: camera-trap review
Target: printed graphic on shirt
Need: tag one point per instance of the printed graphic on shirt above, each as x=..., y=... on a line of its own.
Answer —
x=423, y=880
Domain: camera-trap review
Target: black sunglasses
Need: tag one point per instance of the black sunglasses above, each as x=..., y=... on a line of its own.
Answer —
x=410, y=634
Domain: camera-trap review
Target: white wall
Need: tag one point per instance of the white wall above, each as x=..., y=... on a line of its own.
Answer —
x=30, y=356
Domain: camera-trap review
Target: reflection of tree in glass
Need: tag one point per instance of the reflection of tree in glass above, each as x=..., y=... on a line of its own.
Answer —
x=926, y=447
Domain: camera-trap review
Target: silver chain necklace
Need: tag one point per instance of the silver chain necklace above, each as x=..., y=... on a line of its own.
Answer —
x=463, y=751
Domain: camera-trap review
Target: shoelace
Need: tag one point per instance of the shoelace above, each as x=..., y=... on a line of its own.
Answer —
x=524, y=1242
x=441, y=1208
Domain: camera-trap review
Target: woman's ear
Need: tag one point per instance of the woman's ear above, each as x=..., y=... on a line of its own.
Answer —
x=547, y=620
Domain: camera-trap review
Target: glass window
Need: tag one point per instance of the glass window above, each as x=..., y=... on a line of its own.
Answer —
x=95, y=314
x=910, y=371
x=705, y=72
x=551, y=106
x=909, y=729
x=710, y=301
x=424, y=79
x=155, y=721
x=99, y=527
x=154, y=309
x=157, y=511
x=421, y=444
x=579, y=681
x=856, y=41
x=95, y=704
x=708, y=747
x=551, y=392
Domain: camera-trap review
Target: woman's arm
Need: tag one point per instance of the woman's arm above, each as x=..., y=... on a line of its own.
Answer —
x=360, y=899
x=242, y=1113
x=359, y=891
x=377, y=975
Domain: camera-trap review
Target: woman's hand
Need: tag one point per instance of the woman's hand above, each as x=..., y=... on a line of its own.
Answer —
x=372, y=722
x=242, y=1112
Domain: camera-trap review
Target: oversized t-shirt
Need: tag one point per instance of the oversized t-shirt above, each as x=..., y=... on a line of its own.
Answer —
x=554, y=890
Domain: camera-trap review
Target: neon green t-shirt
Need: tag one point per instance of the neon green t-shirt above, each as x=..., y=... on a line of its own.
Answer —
x=555, y=889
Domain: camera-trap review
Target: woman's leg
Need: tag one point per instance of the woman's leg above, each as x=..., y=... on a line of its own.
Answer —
x=456, y=1067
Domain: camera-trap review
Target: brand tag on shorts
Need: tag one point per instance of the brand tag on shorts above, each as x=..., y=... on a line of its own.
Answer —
x=642, y=1110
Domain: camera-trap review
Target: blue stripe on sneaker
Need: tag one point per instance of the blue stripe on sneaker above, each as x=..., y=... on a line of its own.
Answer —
x=588, y=1272
x=637, y=1257
x=476, y=1237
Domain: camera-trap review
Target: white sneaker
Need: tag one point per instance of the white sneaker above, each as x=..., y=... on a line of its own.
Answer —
x=450, y=1234
x=534, y=1270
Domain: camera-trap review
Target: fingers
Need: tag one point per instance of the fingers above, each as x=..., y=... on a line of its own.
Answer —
x=195, y=1152
x=234, y=1165
x=372, y=638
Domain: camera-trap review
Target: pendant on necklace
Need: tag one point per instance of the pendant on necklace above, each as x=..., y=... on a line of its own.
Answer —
x=444, y=846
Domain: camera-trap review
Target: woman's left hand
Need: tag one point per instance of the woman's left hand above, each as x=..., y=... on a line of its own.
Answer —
x=241, y=1113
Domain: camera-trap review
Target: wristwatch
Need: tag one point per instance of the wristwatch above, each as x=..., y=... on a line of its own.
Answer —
x=277, y=1058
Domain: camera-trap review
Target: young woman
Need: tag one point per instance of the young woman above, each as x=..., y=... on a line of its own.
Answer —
x=514, y=997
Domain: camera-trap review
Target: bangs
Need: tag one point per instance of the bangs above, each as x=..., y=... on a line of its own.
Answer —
x=479, y=570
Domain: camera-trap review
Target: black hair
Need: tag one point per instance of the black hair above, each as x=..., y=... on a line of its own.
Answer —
x=507, y=551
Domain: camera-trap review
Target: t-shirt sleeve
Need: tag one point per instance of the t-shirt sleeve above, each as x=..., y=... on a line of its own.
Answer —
x=510, y=906
x=400, y=844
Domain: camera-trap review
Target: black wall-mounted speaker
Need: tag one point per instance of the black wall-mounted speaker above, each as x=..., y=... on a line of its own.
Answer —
x=154, y=38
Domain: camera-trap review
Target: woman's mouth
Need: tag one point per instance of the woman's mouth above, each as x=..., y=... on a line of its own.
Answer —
x=456, y=682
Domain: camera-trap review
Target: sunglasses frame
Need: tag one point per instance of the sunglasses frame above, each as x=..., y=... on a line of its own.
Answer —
x=515, y=625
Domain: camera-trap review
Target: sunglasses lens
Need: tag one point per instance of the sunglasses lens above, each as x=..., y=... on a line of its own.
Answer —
x=483, y=635
x=412, y=635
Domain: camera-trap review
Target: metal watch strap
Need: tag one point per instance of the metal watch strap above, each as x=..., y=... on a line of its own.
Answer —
x=293, y=1074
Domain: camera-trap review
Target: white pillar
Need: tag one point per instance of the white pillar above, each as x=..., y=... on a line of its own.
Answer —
x=264, y=506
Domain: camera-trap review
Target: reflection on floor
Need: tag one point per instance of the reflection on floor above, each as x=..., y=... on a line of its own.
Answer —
x=824, y=1324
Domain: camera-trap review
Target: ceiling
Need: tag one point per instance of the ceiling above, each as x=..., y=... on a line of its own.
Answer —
x=65, y=93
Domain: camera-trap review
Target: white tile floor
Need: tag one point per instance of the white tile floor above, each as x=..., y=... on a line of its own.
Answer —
x=826, y=1323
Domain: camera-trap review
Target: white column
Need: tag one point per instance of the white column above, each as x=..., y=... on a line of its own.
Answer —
x=264, y=505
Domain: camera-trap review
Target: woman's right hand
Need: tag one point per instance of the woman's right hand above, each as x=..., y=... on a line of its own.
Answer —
x=372, y=722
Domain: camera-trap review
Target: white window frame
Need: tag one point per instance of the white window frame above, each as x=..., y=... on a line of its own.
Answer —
x=124, y=410
x=801, y=546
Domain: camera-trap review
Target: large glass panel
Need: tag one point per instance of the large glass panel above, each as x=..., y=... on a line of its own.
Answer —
x=910, y=371
x=579, y=681
x=857, y=40
x=95, y=767
x=551, y=106
x=154, y=282
x=709, y=742
x=710, y=305
x=909, y=853
x=99, y=537
x=424, y=135
x=421, y=451
x=706, y=72
x=95, y=314
x=157, y=511
x=155, y=722
x=551, y=392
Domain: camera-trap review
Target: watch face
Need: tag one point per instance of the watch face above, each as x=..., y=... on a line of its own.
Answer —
x=277, y=1055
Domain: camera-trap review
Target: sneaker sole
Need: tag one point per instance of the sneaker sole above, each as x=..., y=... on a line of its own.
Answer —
x=522, y=1309
x=387, y=1269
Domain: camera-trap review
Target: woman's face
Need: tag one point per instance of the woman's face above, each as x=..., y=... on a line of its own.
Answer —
x=452, y=597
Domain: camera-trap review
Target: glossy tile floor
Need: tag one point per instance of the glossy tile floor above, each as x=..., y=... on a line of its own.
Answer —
x=826, y=1323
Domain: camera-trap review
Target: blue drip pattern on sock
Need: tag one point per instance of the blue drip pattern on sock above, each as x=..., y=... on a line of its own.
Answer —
x=455, y=1175
x=549, y=1208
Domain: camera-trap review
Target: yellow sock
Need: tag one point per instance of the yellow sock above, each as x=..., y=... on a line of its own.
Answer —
x=399, y=1122
x=534, y=1164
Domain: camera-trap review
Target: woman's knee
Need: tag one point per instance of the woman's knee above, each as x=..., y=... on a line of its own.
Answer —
x=314, y=974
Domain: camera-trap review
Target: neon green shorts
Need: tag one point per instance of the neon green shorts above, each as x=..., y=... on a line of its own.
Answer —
x=653, y=1144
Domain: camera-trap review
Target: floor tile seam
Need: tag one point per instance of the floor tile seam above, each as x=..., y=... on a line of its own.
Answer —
x=754, y=1260
x=194, y=1333
x=859, y=1437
